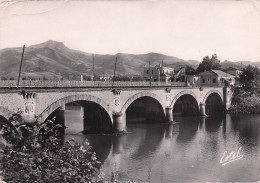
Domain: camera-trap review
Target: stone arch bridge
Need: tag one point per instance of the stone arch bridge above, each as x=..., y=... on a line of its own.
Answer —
x=40, y=103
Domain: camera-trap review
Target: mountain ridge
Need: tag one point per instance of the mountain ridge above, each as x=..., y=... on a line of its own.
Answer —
x=50, y=58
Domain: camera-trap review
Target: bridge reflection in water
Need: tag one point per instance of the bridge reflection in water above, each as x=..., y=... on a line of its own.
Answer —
x=187, y=151
x=144, y=109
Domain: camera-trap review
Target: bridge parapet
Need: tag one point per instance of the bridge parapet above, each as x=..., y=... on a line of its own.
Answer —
x=94, y=84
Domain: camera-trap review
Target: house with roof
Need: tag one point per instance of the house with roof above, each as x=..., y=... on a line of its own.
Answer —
x=233, y=71
x=192, y=80
x=215, y=78
x=179, y=75
x=158, y=73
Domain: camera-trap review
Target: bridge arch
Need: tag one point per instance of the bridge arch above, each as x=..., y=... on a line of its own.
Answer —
x=5, y=113
x=186, y=92
x=61, y=102
x=213, y=101
x=211, y=92
x=139, y=95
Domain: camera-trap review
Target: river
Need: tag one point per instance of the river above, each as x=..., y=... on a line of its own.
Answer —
x=188, y=151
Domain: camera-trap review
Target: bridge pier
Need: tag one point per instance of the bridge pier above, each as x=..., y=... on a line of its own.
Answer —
x=202, y=109
x=60, y=115
x=119, y=122
x=169, y=116
x=168, y=131
x=227, y=95
x=118, y=147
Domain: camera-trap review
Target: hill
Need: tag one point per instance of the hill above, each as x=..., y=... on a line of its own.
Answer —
x=51, y=58
x=238, y=65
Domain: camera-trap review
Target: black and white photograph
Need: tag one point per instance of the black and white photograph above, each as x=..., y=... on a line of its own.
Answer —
x=129, y=91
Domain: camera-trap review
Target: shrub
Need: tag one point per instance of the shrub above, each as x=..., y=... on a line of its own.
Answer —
x=33, y=153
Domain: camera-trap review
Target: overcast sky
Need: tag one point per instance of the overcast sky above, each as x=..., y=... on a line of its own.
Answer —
x=188, y=29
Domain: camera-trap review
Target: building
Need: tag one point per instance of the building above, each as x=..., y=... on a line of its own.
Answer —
x=192, y=80
x=180, y=75
x=233, y=71
x=215, y=78
x=158, y=73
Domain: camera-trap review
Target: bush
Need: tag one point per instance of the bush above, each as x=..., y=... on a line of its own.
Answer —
x=245, y=101
x=32, y=153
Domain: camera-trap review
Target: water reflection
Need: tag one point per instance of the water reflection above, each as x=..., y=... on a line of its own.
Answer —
x=188, y=151
x=213, y=123
x=168, y=131
x=188, y=127
x=152, y=139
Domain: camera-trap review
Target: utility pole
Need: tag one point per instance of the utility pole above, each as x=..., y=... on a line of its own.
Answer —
x=20, y=67
x=114, y=74
x=198, y=80
x=160, y=71
x=150, y=74
x=226, y=78
x=159, y=77
x=93, y=69
x=210, y=79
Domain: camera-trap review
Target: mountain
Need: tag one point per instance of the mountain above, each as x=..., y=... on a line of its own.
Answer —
x=238, y=65
x=50, y=58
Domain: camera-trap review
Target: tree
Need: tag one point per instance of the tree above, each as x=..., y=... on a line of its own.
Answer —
x=190, y=71
x=249, y=78
x=209, y=63
x=32, y=152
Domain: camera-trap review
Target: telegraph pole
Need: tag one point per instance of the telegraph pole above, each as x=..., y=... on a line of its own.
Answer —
x=93, y=69
x=198, y=79
x=150, y=73
x=20, y=67
x=210, y=78
x=114, y=74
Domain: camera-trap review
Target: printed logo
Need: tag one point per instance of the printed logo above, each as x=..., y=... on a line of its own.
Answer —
x=230, y=157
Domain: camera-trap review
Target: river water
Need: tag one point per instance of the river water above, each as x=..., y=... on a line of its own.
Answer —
x=188, y=151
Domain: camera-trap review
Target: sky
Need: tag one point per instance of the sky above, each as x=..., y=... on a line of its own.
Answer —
x=187, y=29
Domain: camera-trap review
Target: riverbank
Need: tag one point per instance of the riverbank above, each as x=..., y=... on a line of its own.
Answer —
x=245, y=102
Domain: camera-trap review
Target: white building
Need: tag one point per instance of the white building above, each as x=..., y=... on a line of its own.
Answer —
x=158, y=73
x=235, y=72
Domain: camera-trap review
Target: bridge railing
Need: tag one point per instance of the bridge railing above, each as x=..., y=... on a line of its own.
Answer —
x=97, y=84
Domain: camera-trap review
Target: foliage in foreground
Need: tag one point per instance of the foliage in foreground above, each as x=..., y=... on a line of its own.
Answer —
x=244, y=103
x=31, y=152
x=246, y=99
x=250, y=80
